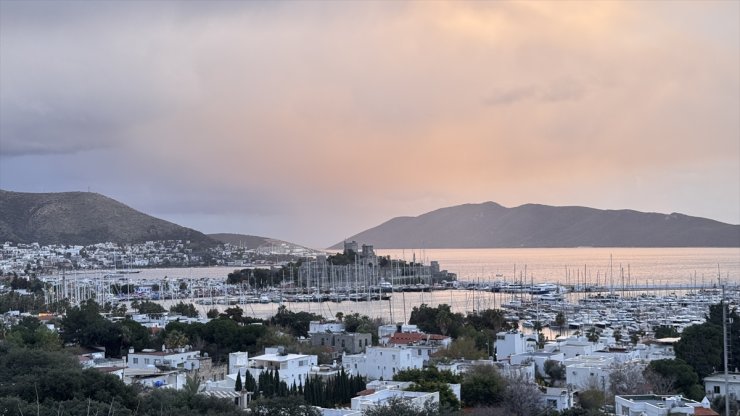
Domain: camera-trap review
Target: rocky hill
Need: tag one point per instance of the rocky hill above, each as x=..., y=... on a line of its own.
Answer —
x=83, y=218
x=490, y=225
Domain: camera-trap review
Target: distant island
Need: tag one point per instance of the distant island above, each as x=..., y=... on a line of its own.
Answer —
x=490, y=225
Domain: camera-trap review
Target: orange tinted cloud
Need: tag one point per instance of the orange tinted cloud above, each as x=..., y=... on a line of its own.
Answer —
x=368, y=110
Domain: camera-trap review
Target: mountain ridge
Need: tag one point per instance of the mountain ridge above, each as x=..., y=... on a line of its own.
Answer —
x=83, y=218
x=491, y=225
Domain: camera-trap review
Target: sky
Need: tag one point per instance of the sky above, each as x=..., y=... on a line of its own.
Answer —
x=313, y=121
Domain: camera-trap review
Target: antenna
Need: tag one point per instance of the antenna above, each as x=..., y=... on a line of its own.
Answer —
x=724, y=345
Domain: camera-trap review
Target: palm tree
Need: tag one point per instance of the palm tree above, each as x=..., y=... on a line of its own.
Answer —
x=192, y=385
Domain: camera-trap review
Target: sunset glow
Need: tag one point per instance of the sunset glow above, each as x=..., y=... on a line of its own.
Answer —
x=311, y=121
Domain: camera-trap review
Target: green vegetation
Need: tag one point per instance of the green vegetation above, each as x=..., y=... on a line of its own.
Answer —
x=674, y=376
x=701, y=345
x=665, y=331
x=364, y=324
x=287, y=406
x=482, y=386
x=480, y=327
x=297, y=323
x=47, y=383
x=399, y=407
x=335, y=391
x=185, y=309
x=431, y=379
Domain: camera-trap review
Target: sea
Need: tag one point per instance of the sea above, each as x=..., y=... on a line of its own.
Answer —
x=612, y=267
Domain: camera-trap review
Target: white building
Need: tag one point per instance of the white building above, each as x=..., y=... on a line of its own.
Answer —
x=238, y=361
x=379, y=398
x=588, y=371
x=618, y=354
x=315, y=327
x=538, y=358
x=293, y=368
x=511, y=343
x=573, y=347
x=388, y=330
x=151, y=377
x=188, y=360
x=654, y=405
x=557, y=398
x=714, y=385
x=382, y=362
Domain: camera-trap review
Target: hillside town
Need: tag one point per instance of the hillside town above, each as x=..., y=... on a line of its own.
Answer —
x=39, y=259
x=355, y=365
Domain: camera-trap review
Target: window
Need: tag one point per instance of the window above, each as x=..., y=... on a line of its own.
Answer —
x=419, y=351
x=552, y=403
x=136, y=361
x=322, y=342
x=716, y=390
x=342, y=343
x=146, y=361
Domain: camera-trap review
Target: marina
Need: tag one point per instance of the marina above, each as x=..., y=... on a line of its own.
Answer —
x=620, y=301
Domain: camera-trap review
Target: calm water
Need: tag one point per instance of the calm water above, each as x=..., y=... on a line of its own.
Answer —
x=653, y=265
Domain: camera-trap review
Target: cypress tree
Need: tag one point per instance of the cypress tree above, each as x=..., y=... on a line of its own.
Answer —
x=276, y=382
x=238, y=384
x=250, y=384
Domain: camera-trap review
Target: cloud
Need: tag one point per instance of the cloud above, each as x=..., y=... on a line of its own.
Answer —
x=324, y=115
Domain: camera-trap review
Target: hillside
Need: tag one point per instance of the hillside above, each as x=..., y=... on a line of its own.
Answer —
x=490, y=225
x=253, y=242
x=83, y=218
x=246, y=241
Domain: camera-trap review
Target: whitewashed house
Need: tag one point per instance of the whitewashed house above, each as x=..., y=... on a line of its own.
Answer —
x=714, y=385
x=381, y=397
x=655, y=405
x=511, y=343
x=176, y=359
x=293, y=368
x=382, y=362
x=315, y=327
